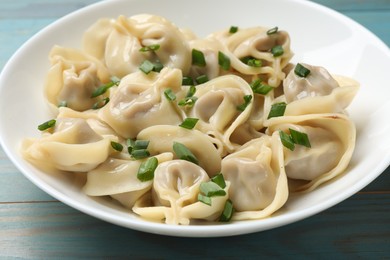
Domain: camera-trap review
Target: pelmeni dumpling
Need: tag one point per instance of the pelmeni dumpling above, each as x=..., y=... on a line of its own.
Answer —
x=217, y=109
x=258, y=180
x=332, y=140
x=257, y=43
x=118, y=178
x=119, y=42
x=175, y=193
x=73, y=77
x=162, y=137
x=139, y=102
x=318, y=92
x=209, y=48
x=71, y=146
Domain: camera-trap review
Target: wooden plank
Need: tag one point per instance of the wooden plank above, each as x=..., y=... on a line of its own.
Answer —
x=44, y=230
x=355, y=5
x=40, y=9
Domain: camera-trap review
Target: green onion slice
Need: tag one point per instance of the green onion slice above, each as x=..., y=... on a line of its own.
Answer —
x=140, y=153
x=153, y=47
x=198, y=58
x=301, y=71
x=191, y=91
x=117, y=146
x=103, y=89
x=188, y=101
x=211, y=189
x=146, y=169
x=220, y=180
x=272, y=30
x=48, y=124
x=287, y=141
x=223, y=61
x=202, y=79
x=187, y=81
x=233, y=29
x=277, y=109
x=141, y=144
x=250, y=61
x=101, y=103
x=189, y=123
x=184, y=153
x=300, y=138
x=259, y=88
x=146, y=66
x=227, y=212
x=206, y=200
x=157, y=66
x=277, y=51
x=169, y=94
x=247, y=100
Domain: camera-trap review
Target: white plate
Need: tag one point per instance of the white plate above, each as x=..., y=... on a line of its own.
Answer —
x=319, y=36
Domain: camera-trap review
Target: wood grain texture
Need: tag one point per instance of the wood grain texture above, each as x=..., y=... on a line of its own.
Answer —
x=53, y=229
x=34, y=225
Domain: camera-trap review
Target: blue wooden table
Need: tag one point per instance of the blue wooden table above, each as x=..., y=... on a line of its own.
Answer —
x=34, y=225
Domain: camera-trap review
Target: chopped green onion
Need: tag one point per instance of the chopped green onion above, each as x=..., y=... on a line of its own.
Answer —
x=287, y=141
x=189, y=122
x=301, y=71
x=277, y=109
x=188, y=101
x=206, y=200
x=191, y=91
x=63, y=104
x=198, y=58
x=211, y=189
x=247, y=100
x=103, y=89
x=158, y=66
x=141, y=144
x=182, y=152
x=220, y=180
x=140, y=153
x=227, y=212
x=272, y=30
x=277, y=51
x=202, y=79
x=223, y=61
x=169, y=94
x=300, y=138
x=259, y=88
x=233, y=29
x=252, y=62
x=48, y=124
x=101, y=103
x=146, y=66
x=146, y=169
x=187, y=81
x=138, y=148
x=153, y=47
x=117, y=146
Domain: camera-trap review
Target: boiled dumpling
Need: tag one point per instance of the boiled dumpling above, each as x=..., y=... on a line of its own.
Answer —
x=257, y=43
x=73, y=77
x=72, y=145
x=318, y=92
x=118, y=43
x=139, y=102
x=332, y=140
x=175, y=194
x=162, y=138
x=257, y=177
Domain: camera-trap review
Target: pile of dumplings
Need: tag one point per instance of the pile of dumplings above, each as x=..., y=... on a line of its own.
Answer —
x=234, y=136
